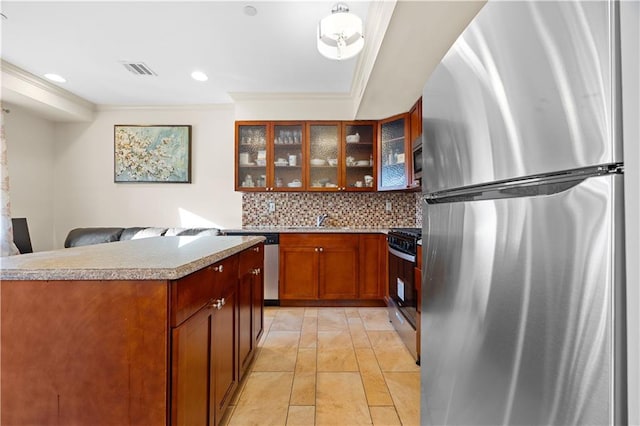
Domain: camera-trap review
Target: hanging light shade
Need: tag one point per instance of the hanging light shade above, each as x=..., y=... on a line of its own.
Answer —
x=340, y=34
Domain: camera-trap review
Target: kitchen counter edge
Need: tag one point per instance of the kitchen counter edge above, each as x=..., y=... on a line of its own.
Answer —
x=158, y=258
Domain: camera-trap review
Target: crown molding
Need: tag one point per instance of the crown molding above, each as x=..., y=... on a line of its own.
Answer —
x=196, y=107
x=284, y=97
x=43, y=98
x=42, y=84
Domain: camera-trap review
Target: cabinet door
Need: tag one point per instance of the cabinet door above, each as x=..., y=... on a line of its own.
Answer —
x=338, y=265
x=258, y=304
x=358, y=161
x=373, y=266
x=288, y=156
x=324, y=152
x=298, y=272
x=245, y=335
x=190, y=370
x=394, y=153
x=252, y=156
x=223, y=355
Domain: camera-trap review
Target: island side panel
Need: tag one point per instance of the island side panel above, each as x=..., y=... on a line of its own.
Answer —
x=84, y=352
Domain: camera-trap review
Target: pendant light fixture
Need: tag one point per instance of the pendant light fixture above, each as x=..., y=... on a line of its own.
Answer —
x=340, y=34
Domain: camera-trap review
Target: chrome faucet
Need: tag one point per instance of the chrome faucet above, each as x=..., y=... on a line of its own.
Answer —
x=320, y=219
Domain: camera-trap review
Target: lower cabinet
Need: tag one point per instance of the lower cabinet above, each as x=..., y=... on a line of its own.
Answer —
x=325, y=267
x=213, y=346
x=127, y=352
x=250, y=304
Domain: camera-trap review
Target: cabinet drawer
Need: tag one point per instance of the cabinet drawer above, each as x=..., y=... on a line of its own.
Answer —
x=225, y=275
x=251, y=258
x=190, y=293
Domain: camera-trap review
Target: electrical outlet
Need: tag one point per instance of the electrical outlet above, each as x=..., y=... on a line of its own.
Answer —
x=387, y=206
x=272, y=206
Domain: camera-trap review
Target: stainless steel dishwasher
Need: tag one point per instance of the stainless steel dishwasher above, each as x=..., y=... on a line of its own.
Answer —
x=271, y=259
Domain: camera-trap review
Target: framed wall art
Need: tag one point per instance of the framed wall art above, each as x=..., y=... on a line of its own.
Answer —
x=152, y=154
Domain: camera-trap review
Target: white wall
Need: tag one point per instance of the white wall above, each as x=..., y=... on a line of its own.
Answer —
x=85, y=194
x=30, y=151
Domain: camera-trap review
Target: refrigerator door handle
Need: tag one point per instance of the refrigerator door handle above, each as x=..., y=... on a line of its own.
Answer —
x=528, y=186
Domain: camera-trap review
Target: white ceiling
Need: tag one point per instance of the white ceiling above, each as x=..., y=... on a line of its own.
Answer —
x=271, y=52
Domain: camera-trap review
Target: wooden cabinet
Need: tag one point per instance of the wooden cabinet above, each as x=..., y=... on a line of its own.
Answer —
x=415, y=136
x=139, y=351
x=324, y=156
x=373, y=266
x=270, y=156
x=415, y=121
x=418, y=285
x=289, y=157
x=359, y=153
x=394, y=153
x=224, y=371
x=305, y=156
x=318, y=268
x=250, y=305
x=204, y=373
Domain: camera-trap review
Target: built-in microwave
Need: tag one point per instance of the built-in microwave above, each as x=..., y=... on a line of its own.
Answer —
x=416, y=148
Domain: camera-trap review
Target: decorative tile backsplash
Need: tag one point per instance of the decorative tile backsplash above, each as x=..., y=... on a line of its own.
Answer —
x=344, y=209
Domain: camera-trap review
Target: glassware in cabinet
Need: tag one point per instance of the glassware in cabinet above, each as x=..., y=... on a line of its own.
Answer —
x=324, y=156
x=288, y=156
x=359, y=155
x=251, y=156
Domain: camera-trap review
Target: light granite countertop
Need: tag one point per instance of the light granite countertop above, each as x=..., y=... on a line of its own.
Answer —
x=309, y=229
x=158, y=258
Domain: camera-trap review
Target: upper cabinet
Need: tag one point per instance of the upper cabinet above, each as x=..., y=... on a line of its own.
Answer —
x=288, y=156
x=359, y=138
x=252, y=156
x=394, y=153
x=327, y=156
x=324, y=156
x=415, y=137
x=269, y=156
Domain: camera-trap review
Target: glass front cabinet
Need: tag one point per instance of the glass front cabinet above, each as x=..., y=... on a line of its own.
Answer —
x=359, y=154
x=324, y=156
x=395, y=153
x=306, y=156
x=269, y=156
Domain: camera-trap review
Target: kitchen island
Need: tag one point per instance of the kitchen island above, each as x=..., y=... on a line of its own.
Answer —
x=142, y=332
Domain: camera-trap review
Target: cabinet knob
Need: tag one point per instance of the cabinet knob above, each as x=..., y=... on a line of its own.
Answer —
x=256, y=271
x=215, y=304
x=222, y=303
x=316, y=249
x=321, y=249
x=256, y=249
x=219, y=268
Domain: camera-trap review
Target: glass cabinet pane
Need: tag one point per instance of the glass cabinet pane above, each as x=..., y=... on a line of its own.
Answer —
x=252, y=156
x=359, y=154
x=323, y=155
x=393, y=157
x=287, y=156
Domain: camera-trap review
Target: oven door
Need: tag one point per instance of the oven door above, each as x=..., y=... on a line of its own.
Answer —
x=402, y=289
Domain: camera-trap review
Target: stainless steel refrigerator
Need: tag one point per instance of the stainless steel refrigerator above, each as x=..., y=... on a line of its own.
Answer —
x=523, y=287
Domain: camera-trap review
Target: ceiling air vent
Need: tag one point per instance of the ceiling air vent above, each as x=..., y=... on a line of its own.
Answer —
x=138, y=68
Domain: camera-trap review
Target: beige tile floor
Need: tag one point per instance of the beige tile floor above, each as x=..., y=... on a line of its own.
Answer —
x=328, y=366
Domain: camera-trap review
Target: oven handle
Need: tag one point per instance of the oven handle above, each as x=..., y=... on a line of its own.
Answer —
x=402, y=255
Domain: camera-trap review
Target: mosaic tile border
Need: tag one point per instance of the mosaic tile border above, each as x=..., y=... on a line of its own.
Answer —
x=344, y=209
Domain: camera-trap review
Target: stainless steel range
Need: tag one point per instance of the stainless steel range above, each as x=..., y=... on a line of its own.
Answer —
x=403, y=296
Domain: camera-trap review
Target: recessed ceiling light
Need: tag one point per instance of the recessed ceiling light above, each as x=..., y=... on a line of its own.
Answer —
x=199, y=75
x=56, y=78
x=250, y=11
